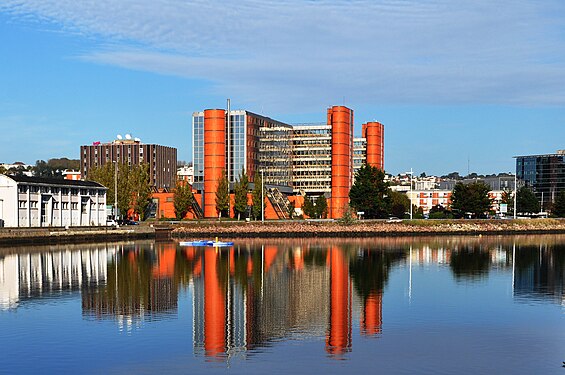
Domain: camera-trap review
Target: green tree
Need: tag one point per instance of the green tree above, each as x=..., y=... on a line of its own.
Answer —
x=526, y=201
x=291, y=210
x=134, y=189
x=370, y=193
x=399, y=204
x=42, y=169
x=321, y=207
x=63, y=163
x=141, y=189
x=308, y=207
x=559, y=205
x=257, y=196
x=3, y=170
x=223, y=195
x=104, y=175
x=471, y=198
x=439, y=212
x=240, y=189
x=182, y=200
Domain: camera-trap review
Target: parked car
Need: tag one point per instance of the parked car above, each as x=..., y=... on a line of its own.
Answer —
x=111, y=223
x=393, y=219
x=127, y=222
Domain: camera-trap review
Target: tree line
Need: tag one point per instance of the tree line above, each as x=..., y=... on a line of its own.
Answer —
x=373, y=196
x=52, y=168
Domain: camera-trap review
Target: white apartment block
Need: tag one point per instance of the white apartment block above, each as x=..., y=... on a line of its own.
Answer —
x=49, y=202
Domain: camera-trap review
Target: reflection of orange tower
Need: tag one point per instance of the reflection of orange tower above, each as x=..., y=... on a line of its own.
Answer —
x=373, y=132
x=338, y=339
x=214, y=156
x=214, y=306
x=372, y=318
x=166, y=262
x=341, y=120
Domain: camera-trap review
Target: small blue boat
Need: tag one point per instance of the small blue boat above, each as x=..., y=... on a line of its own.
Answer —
x=206, y=243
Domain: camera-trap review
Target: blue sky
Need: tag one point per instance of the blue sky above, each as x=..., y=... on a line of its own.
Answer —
x=456, y=83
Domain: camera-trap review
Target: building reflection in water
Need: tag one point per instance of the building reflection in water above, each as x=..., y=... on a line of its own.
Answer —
x=248, y=296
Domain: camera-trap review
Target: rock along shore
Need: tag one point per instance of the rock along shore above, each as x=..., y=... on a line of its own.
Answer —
x=365, y=228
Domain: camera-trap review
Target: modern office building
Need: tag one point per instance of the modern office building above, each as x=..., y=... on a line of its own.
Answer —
x=544, y=174
x=50, y=202
x=311, y=159
x=162, y=160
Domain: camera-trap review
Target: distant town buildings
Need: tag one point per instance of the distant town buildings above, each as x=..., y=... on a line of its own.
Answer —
x=544, y=174
x=50, y=202
x=162, y=160
x=186, y=173
x=17, y=167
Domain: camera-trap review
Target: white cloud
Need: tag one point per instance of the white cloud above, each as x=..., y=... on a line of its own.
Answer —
x=316, y=52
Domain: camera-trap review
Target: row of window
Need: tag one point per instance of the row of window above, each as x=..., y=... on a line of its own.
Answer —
x=56, y=190
x=64, y=205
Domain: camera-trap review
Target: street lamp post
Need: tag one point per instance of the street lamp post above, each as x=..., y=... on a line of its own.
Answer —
x=515, y=193
x=410, y=196
x=262, y=198
x=116, y=190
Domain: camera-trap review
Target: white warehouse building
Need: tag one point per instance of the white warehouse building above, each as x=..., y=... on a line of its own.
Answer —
x=49, y=202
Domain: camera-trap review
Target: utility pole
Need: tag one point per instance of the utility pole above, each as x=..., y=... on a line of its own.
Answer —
x=228, y=153
x=116, y=191
x=262, y=198
x=515, y=192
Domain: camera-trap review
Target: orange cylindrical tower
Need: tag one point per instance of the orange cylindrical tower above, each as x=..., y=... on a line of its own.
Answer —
x=375, y=135
x=341, y=120
x=214, y=306
x=338, y=339
x=214, y=156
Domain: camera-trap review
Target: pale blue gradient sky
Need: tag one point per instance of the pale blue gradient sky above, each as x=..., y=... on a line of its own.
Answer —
x=456, y=83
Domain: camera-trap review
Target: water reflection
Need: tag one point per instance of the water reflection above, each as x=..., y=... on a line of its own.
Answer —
x=258, y=292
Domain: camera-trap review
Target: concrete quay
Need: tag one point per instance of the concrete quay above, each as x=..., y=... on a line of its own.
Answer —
x=47, y=235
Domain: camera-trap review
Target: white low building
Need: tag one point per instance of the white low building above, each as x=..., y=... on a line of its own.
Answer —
x=49, y=202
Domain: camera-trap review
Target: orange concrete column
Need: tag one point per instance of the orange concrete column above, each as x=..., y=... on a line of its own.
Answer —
x=341, y=119
x=214, y=306
x=214, y=157
x=338, y=339
x=374, y=134
x=372, y=318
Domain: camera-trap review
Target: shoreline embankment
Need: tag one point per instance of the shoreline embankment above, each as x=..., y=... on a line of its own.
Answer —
x=48, y=236
x=365, y=228
x=204, y=229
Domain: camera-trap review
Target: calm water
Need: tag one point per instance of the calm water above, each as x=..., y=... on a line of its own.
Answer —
x=399, y=305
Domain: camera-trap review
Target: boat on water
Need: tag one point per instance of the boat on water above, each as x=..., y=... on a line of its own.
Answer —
x=215, y=243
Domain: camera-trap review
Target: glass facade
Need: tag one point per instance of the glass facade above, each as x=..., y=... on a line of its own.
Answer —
x=237, y=141
x=198, y=146
x=545, y=174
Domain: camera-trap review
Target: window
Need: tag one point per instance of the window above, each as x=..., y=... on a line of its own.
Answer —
x=74, y=191
x=22, y=204
x=22, y=188
x=65, y=191
x=55, y=205
x=33, y=204
x=55, y=190
x=74, y=205
x=65, y=205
